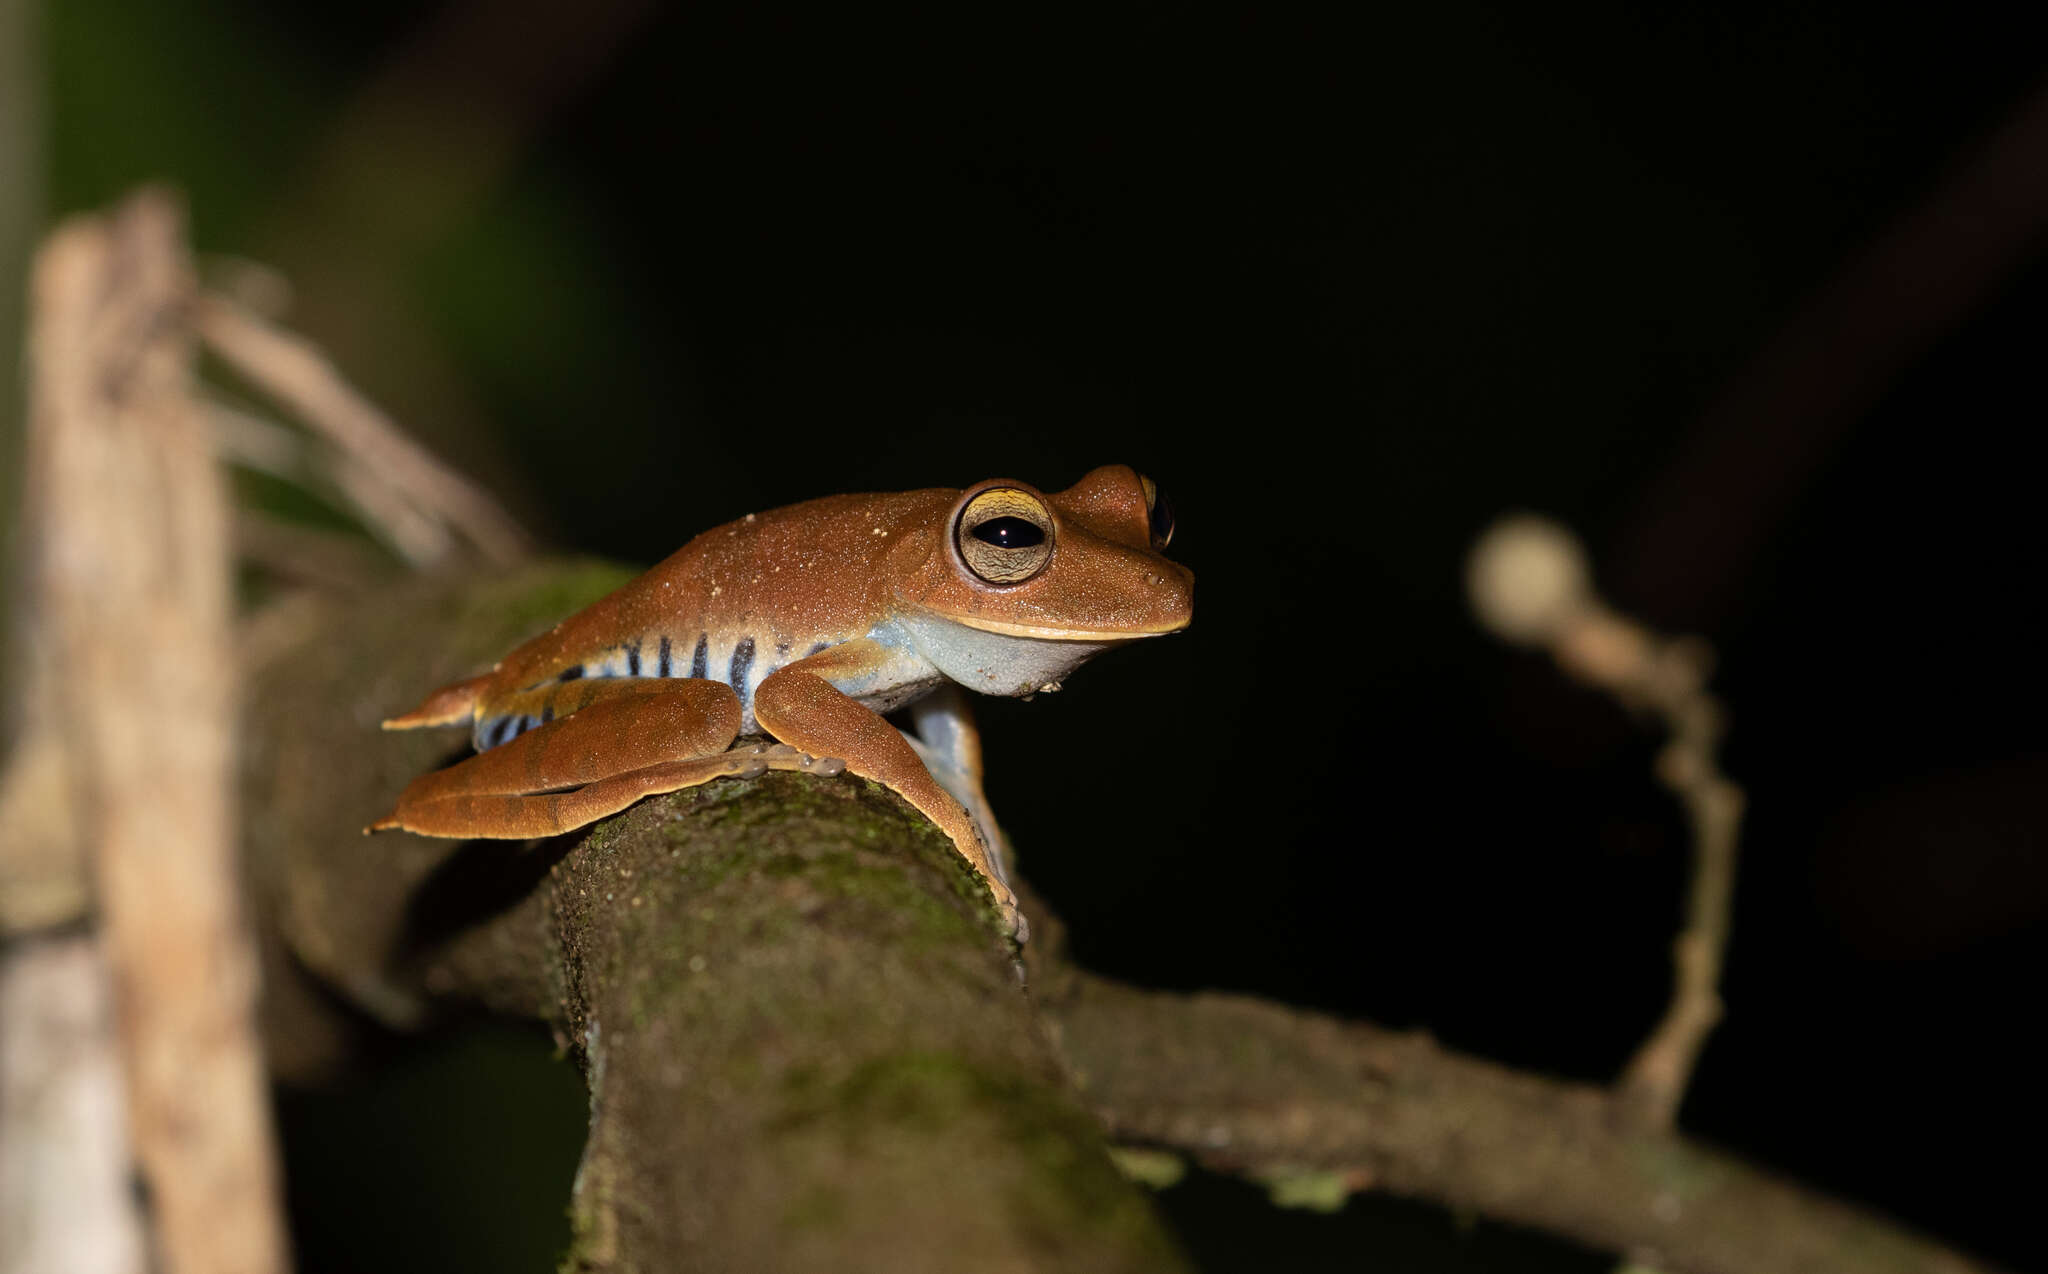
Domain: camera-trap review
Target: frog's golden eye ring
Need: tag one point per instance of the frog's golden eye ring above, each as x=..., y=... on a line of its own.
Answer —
x=1004, y=535
x=1159, y=511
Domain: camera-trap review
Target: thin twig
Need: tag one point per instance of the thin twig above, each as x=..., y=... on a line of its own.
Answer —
x=260, y=445
x=296, y=373
x=1654, y=1082
x=1529, y=583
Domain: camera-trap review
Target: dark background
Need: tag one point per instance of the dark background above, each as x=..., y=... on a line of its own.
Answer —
x=1349, y=289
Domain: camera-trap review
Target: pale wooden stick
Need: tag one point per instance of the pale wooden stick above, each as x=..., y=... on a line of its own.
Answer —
x=299, y=375
x=132, y=581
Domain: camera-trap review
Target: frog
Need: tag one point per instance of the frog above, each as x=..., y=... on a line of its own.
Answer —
x=784, y=639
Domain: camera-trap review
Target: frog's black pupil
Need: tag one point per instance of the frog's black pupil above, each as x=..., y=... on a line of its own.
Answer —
x=1162, y=518
x=1009, y=533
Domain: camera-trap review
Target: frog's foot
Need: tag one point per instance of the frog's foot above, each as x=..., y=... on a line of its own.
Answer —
x=781, y=756
x=524, y=816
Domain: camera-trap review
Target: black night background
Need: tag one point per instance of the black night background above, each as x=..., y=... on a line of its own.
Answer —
x=1349, y=287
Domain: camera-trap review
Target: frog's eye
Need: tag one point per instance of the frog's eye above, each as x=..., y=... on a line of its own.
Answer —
x=1005, y=535
x=1159, y=511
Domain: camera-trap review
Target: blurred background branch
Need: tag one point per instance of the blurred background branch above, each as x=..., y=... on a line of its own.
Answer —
x=1726, y=492
x=373, y=461
x=133, y=693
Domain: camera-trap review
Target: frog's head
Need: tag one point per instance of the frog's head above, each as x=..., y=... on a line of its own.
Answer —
x=1015, y=587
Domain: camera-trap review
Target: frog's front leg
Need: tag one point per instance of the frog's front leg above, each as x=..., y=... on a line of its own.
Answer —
x=619, y=741
x=948, y=743
x=800, y=706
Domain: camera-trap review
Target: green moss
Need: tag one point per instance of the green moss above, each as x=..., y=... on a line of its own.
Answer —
x=1159, y=1169
x=854, y=809
x=1059, y=1179
x=1309, y=1189
x=1680, y=1169
x=821, y=1207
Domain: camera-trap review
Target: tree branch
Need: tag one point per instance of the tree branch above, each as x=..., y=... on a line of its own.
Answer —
x=1297, y=1098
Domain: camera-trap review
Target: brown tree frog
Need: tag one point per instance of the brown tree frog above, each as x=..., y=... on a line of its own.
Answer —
x=805, y=625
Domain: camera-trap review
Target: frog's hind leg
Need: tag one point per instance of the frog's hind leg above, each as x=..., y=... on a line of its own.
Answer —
x=948, y=743
x=801, y=706
x=623, y=740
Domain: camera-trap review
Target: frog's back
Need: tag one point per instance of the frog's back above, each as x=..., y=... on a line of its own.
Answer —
x=733, y=605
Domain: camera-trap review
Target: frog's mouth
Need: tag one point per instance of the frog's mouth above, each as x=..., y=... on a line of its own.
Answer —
x=1098, y=636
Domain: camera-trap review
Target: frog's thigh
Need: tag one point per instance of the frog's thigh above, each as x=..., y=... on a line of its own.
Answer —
x=626, y=740
x=950, y=747
x=800, y=707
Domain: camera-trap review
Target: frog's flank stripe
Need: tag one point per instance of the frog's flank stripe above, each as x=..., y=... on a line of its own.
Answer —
x=547, y=711
x=699, y=663
x=742, y=664
x=633, y=660
x=570, y=673
x=663, y=664
x=817, y=647
x=501, y=730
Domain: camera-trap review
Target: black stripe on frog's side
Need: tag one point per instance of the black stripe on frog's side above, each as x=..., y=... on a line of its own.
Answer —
x=503, y=730
x=570, y=673
x=547, y=710
x=662, y=661
x=633, y=660
x=817, y=647
x=742, y=664
x=700, y=665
